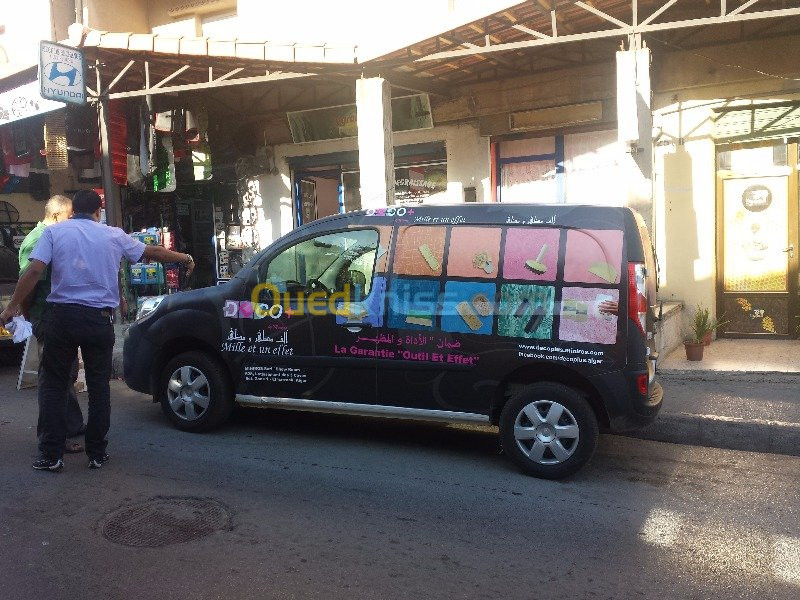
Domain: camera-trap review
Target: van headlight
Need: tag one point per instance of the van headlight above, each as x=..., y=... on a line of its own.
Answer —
x=149, y=306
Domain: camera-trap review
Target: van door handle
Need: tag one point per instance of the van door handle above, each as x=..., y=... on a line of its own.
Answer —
x=790, y=250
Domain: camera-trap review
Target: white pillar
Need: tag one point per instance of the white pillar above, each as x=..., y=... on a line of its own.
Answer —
x=635, y=127
x=375, y=142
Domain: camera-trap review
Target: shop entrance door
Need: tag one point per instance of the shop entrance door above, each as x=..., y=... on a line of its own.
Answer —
x=757, y=275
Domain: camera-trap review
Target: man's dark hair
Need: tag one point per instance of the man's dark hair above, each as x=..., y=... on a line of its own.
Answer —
x=85, y=202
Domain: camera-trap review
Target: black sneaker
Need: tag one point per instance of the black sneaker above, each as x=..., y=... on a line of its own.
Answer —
x=48, y=464
x=96, y=463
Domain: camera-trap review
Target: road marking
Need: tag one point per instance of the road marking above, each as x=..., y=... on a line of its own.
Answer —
x=786, y=564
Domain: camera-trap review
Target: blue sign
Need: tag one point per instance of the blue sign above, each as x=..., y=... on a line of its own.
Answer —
x=61, y=73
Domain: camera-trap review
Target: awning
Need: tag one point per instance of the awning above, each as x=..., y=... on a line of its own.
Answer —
x=132, y=64
x=757, y=122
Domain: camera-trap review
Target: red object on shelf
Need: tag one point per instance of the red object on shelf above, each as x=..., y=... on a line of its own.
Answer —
x=172, y=279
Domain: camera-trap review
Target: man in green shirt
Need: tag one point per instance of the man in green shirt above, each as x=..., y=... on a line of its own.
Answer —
x=57, y=208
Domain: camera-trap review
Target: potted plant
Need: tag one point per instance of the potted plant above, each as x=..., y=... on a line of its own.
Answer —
x=701, y=328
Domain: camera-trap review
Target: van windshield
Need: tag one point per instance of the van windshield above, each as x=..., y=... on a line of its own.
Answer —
x=332, y=260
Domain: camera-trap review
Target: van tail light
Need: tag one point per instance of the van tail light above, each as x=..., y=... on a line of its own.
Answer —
x=637, y=295
x=642, y=384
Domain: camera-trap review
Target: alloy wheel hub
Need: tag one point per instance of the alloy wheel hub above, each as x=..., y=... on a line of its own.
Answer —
x=545, y=433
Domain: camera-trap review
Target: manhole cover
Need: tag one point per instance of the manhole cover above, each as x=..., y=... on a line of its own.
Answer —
x=165, y=520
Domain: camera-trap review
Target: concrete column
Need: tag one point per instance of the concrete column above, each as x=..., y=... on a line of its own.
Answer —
x=635, y=127
x=375, y=142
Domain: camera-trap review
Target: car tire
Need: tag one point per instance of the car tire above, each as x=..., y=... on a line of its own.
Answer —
x=195, y=392
x=549, y=430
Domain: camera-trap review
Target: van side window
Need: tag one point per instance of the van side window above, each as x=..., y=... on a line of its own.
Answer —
x=335, y=262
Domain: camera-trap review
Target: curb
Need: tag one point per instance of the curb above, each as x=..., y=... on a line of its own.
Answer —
x=729, y=433
x=745, y=376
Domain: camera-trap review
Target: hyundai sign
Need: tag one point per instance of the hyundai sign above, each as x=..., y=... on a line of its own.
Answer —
x=61, y=73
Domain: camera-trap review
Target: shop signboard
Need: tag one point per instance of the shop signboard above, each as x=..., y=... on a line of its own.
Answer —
x=23, y=102
x=336, y=122
x=62, y=73
x=413, y=184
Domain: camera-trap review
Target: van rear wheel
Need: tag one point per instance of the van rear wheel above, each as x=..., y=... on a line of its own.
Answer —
x=549, y=430
x=195, y=392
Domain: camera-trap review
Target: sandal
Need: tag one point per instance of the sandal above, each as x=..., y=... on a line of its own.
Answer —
x=73, y=447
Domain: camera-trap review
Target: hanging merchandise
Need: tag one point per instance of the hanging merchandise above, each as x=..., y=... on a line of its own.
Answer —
x=201, y=151
x=184, y=172
x=17, y=162
x=164, y=174
x=223, y=147
x=163, y=122
x=82, y=134
x=55, y=140
x=146, y=140
x=118, y=133
x=191, y=130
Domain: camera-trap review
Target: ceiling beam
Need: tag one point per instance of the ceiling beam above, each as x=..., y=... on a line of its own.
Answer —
x=620, y=31
x=206, y=85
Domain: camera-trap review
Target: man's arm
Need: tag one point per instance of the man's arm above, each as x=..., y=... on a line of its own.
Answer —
x=24, y=287
x=161, y=254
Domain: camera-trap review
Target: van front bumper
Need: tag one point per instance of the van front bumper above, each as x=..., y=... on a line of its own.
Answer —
x=138, y=354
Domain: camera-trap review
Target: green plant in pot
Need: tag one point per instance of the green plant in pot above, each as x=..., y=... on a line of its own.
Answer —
x=701, y=329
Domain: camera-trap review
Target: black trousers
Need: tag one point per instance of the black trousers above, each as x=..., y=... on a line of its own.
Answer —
x=68, y=327
x=73, y=416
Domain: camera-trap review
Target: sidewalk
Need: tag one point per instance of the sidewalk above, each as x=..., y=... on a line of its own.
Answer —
x=742, y=360
x=750, y=399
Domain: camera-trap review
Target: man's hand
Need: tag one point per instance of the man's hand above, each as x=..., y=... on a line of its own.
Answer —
x=24, y=287
x=9, y=313
x=161, y=254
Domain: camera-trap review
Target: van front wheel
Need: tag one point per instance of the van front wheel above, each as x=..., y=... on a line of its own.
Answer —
x=549, y=430
x=195, y=392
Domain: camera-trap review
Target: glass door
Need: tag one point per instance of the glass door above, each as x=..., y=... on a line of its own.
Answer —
x=757, y=275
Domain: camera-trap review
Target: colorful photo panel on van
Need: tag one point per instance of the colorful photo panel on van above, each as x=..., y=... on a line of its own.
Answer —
x=413, y=304
x=473, y=252
x=420, y=250
x=589, y=315
x=526, y=311
x=531, y=253
x=468, y=307
x=593, y=256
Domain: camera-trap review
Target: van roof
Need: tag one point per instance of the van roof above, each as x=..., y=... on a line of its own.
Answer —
x=494, y=213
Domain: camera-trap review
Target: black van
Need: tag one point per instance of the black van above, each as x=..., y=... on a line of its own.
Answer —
x=535, y=318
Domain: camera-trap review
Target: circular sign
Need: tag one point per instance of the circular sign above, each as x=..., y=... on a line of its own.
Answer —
x=757, y=198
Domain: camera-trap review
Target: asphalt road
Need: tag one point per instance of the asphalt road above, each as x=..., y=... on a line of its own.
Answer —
x=318, y=506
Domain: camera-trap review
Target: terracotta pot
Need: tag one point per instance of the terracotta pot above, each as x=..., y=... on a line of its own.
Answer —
x=707, y=338
x=694, y=351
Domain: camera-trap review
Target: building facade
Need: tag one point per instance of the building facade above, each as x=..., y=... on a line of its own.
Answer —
x=688, y=114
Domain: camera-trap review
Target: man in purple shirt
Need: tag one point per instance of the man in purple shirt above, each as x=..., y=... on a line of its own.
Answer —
x=85, y=258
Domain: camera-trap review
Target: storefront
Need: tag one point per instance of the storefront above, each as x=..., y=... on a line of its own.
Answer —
x=327, y=184
x=757, y=209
